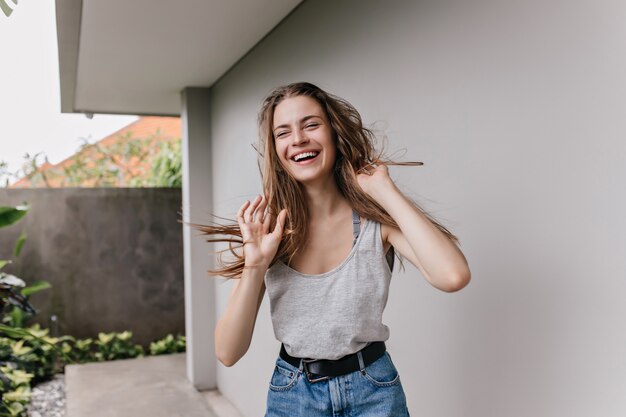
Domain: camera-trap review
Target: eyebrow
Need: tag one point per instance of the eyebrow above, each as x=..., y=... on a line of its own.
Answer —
x=304, y=119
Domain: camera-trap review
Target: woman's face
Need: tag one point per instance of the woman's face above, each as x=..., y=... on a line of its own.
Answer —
x=304, y=139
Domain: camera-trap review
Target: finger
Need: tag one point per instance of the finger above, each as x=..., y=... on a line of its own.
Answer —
x=266, y=222
x=251, y=208
x=259, y=214
x=240, y=218
x=280, y=222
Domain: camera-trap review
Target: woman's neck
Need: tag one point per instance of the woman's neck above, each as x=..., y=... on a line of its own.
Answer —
x=324, y=201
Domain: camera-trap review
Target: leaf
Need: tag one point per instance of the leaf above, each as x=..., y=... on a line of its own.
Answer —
x=126, y=335
x=84, y=343
x=4, y=262
x=51, y=340
x=35, y=287
x=16, y=408
x=14, y=331
x=19, y=349
x=37, y=332
x=22, y=393
x=17, y=317
x=12, y=280
x=106, y=337
x=5, y=8
x=19, y=244
x=10, y=215
x=19, y=376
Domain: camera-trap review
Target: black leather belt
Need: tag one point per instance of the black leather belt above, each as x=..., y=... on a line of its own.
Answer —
x=321, y=369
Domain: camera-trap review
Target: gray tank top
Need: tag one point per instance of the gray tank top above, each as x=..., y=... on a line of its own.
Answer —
x=337, y=313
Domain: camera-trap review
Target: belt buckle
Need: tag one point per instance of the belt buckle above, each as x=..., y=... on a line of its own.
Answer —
x=308, y=374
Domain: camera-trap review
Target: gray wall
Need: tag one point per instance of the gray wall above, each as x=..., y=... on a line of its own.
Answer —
x=113, y=256
x=517, y=110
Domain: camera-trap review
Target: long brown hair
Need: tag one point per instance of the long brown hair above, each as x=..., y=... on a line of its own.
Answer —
x=355, y=154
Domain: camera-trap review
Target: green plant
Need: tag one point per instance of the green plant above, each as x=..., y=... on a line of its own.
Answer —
x=18, y=316
x=6, y=9
x=107, y=347
x=108, y=166
x=9, y=284
x=28, y=360
x=31, y=359
x=77, y=350
x=169, y=344
x=35, y=353
x=111, y=346
x=29, y=356
x=167, y=168
x=10, y=215
x=15, y=389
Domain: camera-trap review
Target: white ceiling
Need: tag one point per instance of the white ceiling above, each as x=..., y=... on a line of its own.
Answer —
x=135, y=57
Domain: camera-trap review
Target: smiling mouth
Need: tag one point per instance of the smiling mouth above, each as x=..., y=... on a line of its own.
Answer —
x=306, y=160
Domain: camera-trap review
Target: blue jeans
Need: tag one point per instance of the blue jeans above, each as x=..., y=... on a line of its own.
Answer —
x=374, y=391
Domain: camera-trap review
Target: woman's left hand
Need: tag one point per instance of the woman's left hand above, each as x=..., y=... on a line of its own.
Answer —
x=377, y=178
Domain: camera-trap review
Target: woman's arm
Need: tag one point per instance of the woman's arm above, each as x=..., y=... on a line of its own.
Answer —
x=422, y=243
x=233, y=332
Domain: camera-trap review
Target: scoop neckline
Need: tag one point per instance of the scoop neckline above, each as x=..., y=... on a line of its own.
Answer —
x=338, y=267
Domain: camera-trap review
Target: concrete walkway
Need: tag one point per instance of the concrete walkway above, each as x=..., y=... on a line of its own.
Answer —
x=154, y=386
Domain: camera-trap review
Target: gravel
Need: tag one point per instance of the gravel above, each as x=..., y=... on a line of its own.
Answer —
x=48, y=398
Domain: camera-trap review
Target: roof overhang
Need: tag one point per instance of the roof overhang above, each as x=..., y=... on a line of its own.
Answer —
x=135, y=57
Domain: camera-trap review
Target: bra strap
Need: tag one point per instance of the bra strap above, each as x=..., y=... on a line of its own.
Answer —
x=356, y=221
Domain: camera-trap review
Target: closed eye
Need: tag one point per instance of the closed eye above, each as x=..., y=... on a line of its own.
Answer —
x=312, y=125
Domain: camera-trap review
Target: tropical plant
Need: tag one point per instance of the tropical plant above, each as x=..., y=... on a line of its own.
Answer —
x=15, y=388
x=13, y=290
x=33, y=351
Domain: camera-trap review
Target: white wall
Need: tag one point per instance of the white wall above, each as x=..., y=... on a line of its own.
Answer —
x=517, y=110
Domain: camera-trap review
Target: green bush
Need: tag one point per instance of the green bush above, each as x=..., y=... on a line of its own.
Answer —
x=168, y=345
x=167, y=168
x=35, y=354
x=23, y=363
x=16, y=391
x=113, y=346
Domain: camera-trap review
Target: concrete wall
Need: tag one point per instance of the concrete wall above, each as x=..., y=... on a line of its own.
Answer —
x=113, y=256
x=516, y=109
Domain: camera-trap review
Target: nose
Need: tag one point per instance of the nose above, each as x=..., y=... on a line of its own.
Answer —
x=299, y=137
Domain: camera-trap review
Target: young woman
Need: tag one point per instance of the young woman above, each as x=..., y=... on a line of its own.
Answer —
x=322, y=241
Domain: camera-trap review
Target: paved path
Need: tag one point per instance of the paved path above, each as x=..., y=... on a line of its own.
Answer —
x=154, y=386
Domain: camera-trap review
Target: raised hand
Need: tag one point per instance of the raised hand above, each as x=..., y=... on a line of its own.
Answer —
x=260, y=245
x=374, y=179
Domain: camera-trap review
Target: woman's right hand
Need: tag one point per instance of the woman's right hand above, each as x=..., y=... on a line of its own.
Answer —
x=260, y=245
